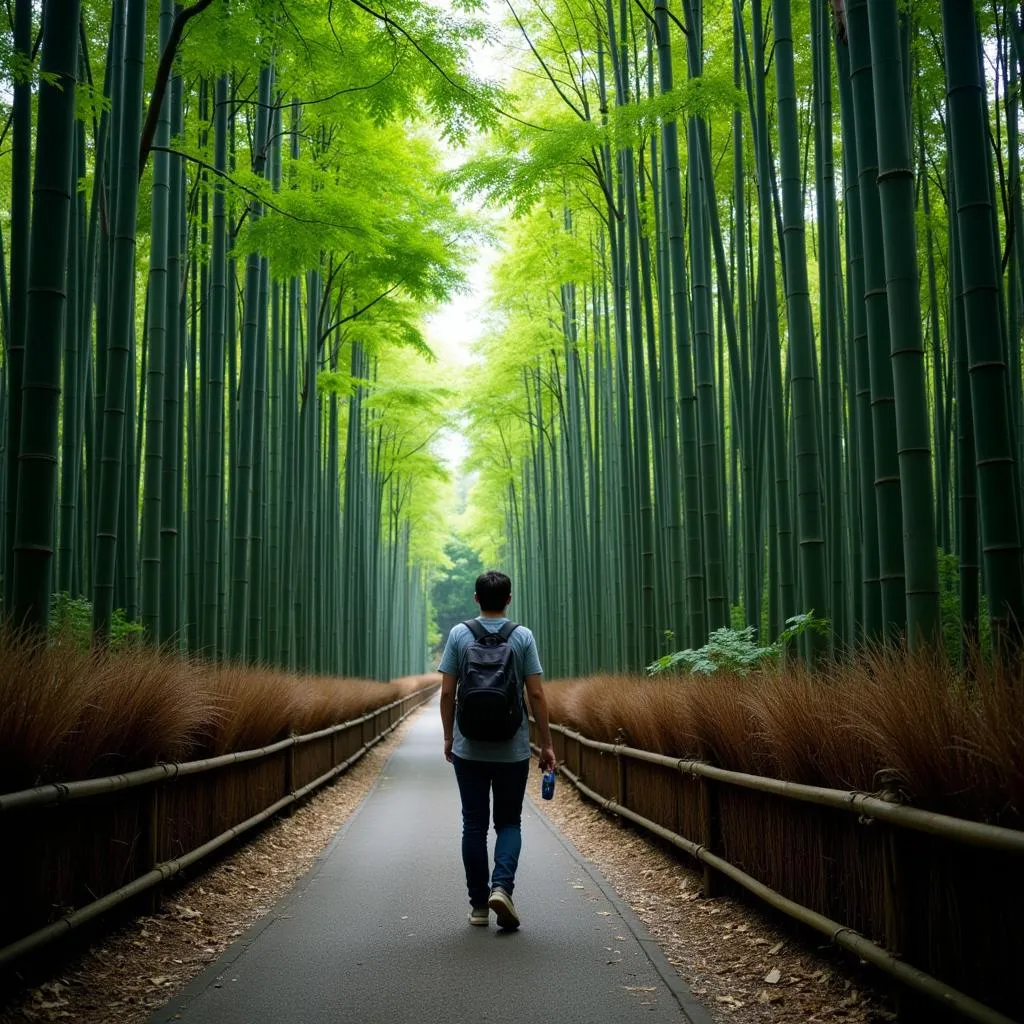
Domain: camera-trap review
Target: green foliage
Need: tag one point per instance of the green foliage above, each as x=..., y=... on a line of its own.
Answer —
x=406, y=62
x=410, y=406
x=736, y=650
x=522, y=165
x=949, y=609
x=452, y=592
x=71, y=624
x=736, y=618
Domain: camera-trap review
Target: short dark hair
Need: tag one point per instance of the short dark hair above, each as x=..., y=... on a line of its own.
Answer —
x=493, y=591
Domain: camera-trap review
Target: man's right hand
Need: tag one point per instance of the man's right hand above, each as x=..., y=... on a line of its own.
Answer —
x=547, y=759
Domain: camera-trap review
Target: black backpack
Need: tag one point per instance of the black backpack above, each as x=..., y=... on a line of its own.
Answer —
x=489, y=706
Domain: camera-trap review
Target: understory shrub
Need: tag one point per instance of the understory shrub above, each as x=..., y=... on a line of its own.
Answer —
x=949, y=610
x=71, y=623
x=735, y=649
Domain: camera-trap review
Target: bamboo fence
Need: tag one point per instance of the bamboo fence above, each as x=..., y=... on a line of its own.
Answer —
x=77, y=850
x=934, y=902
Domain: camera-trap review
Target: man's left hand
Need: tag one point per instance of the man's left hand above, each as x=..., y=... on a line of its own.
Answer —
x=448, y=756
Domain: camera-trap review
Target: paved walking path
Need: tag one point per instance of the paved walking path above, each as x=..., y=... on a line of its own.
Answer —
x=377, y=931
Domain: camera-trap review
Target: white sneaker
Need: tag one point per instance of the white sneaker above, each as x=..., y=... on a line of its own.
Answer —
x=504, y=909
x=479, y=916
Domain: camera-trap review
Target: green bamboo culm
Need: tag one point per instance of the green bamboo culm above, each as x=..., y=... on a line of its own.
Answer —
x=859, y=373
x=696, y=621
x=979, y=266
x=896, y=198
x=76, y=354
x=966, y=471
x=212, y=389
x=35, y=527
x=888, y=498
x=122, y=316
x=711, y=497
x=253, y=343
x=806, y=428
x=21, y=207
x=156, y=377
x=783, y=587
x=171, y=518
x=840, y=502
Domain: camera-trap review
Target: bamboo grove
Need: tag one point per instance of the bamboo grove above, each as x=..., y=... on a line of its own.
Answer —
x=223, y=229
x=754, y=345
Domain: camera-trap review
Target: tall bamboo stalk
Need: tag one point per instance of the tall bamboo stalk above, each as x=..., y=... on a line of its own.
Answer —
x=979, y=268
x=35, y=528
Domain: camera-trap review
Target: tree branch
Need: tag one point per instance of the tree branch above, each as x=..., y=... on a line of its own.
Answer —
x=393, y=25
x=547, y=71
x=163, y=73
x=252, y=192
x=359, y=312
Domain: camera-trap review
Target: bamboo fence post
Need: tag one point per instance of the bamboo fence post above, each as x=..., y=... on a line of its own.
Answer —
x=681, y=796
x=151, y=847
x=289, y=777
x=910, y=1006
x=621, y=782
x=894, y=938
x=709, y=828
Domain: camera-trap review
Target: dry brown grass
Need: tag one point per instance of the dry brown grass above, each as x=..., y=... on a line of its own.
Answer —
x=999, y=721
x=141, y=707
x=67, y=714
x=250, y=708
x=953, y=744
x=41, y=701
x=325, y=701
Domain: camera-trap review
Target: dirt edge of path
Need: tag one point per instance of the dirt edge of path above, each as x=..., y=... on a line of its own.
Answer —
x=131, y=972
x=744, y=966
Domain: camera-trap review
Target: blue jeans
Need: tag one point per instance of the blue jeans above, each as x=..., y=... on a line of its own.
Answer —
x=476, y=780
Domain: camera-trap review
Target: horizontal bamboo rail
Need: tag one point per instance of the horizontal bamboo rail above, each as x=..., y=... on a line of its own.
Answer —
x=57, y=793
x=61, y=792
x=972, y=833
x=954, y=829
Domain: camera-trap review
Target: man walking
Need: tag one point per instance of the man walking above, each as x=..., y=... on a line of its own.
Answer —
x=488, y=664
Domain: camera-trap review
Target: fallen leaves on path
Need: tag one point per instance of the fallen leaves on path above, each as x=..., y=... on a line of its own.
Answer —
x=742, y=966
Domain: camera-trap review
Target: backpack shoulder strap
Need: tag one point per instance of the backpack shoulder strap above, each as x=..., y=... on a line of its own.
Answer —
x=478, y=631
x=507, y=630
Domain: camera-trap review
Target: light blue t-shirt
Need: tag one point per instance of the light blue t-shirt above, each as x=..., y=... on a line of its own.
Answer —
x=527, y=663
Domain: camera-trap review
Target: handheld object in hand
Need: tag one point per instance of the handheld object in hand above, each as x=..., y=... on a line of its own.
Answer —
x=547, y=785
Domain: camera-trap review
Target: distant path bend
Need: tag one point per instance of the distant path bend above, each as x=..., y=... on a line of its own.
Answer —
x=377, y=931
